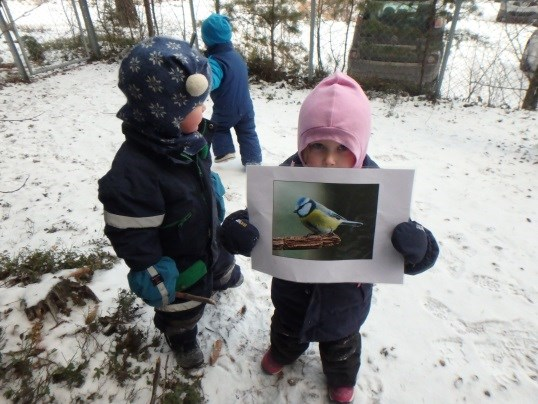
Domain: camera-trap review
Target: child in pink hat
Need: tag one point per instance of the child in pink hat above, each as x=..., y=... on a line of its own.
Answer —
x=333, y=132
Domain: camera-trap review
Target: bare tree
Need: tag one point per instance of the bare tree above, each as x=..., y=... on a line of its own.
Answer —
x=530, y=101
x=126, y=13
x=149, y=18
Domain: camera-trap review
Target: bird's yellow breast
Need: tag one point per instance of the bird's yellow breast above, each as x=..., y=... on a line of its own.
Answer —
x=324, y=223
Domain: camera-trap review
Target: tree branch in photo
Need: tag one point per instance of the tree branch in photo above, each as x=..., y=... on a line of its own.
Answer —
x=305, y=242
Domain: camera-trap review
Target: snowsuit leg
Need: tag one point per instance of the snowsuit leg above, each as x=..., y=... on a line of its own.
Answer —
x=226, y=272
x=249, y=144
x=286, y=346
x=222, y=140
x=341, y=360
x=179, y=327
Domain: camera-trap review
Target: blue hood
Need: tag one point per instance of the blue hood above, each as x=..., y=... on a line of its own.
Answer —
x=216, y=29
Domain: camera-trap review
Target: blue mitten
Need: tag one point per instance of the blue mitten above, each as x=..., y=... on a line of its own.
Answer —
x=155, y=285
x=410, y=240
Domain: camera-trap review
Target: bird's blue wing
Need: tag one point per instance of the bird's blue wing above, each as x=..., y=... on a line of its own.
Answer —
x=329, y=212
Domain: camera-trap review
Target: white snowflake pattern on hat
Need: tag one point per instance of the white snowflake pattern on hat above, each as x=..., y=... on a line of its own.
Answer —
x=183, y=59
x=154, y=84
x=156, y=58
x=134, y=65
x=177, y=74
x=196, y=56
x=148, y=43
x=157, y=110
x=173, y=45
x=179, y=99
x=177, y=122
x=135, y=92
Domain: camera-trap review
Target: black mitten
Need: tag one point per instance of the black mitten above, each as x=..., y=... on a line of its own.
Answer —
x=237, y=235
x=410, y=240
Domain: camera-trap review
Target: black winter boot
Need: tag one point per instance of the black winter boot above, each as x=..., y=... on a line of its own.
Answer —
x=188, y=354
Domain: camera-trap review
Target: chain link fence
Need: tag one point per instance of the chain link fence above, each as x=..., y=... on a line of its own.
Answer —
x=484, y=61
x=396, y=41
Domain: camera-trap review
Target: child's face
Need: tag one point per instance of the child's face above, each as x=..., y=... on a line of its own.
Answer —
x=192, y=120
x=328, y=153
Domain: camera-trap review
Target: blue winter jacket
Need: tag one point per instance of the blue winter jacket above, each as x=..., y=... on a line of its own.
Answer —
x=333, y=310
x=232, y=98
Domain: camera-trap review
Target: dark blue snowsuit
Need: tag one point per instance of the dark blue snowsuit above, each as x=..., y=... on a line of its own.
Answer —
x=330, y=313
x=158, y=196
x=232, y=106
x=142, y=183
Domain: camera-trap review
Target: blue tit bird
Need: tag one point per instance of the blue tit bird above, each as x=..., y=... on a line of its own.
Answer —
x=318, y=218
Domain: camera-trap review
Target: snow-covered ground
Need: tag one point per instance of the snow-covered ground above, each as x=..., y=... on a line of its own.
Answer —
x=465, y=331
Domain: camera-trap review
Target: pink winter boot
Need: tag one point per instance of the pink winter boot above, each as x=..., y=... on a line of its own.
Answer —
x=269, y=365
x=343, y=394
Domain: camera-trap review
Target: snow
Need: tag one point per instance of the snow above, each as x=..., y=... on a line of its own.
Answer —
x=464, y=331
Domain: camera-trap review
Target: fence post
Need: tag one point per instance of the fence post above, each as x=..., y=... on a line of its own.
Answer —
x=92, y=37
x=446, y=53
x=4, y=27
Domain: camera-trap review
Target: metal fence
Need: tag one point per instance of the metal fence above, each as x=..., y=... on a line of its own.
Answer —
x=481, y=58
x=484, y=61
x=36, y=45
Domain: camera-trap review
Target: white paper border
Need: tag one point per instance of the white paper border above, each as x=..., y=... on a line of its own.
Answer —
x=386, y=266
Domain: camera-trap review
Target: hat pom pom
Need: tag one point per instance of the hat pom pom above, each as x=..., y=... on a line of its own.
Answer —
x=196, y=84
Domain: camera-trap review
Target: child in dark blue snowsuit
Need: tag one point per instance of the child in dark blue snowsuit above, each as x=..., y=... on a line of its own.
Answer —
x=333, y=132
x=232, y=105
x=159, y=195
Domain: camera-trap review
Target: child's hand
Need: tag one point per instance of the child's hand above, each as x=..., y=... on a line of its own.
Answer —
x=410, y=240
x=237, y=235
x=156, y=285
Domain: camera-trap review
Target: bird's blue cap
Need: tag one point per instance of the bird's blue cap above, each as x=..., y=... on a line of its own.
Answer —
x=216, y=29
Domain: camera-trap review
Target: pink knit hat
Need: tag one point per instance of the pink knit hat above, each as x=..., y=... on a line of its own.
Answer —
x=337, y=109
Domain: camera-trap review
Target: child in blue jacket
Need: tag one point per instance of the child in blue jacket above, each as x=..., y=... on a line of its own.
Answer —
x=159, y=195
x=232, y=105
x=333, y=132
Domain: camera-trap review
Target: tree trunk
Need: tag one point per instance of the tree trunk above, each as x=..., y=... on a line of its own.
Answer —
x=273, y=52
x=531, y=97
x=348, y=25
x=149, y=19
x=318, y=33
x=126, y=12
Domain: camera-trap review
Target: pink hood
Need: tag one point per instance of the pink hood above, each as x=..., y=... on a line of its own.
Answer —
x=337, y=109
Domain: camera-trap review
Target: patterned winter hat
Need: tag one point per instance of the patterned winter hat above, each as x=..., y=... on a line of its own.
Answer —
x=164, y=79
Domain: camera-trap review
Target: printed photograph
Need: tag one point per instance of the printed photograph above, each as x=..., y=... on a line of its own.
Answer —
x=324, y=221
